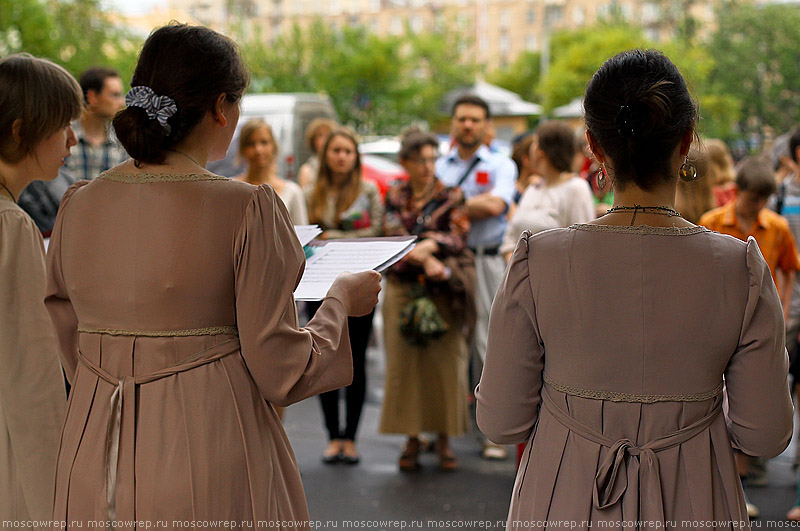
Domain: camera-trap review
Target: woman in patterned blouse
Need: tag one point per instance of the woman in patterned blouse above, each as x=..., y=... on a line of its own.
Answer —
x=426, y=385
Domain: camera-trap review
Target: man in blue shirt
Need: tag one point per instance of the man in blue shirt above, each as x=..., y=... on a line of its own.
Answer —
x=487, y=180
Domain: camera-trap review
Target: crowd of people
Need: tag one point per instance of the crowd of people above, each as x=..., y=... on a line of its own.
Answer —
x=571, y=282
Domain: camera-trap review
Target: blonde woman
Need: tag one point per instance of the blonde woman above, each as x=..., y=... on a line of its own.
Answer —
x=258, y=148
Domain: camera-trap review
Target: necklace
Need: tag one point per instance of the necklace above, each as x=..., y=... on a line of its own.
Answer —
x=661, y=210
x=185, y=155
x=425, y=192
x=8, y=191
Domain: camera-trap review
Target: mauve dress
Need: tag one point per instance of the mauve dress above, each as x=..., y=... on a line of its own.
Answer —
x=172, y=300
x=608, y=349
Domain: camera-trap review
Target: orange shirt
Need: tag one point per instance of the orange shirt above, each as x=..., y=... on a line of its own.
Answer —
x=770, y=230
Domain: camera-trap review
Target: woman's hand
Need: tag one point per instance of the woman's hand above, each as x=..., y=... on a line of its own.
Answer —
x=422, y=252
x=435, y=269
x=357, y=291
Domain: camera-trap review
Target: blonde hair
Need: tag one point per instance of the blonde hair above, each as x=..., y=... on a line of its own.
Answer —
x=314, y=128
x=39, y=93
x=247, y=132
x=720, y=162
x=324, y=182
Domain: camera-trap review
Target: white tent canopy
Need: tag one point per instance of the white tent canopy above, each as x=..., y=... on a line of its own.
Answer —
x=501, y=102
x=573, y=109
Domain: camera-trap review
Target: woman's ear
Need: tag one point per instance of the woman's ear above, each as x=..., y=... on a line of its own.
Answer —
x=16, y=131
x=686, y=142
x=597, y=151
x=218, y=113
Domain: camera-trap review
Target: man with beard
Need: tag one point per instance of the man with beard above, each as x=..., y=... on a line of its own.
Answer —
x=97, y=149
x=487, y=180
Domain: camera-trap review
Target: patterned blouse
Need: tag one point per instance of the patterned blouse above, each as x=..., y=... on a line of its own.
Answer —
x=443, y=219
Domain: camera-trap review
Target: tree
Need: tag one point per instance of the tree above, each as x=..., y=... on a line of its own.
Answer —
x=756, y=52
x=522, y=76
x=76, y=34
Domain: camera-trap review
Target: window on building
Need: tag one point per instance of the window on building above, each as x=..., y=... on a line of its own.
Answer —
x=579, y=16
x=396, y=27
x=375, y=5
x=417, y=24
x=505, y=44
x=531, y=43
x=335, y=7
x=530, y=16
x=505, y=18
x=553, y=14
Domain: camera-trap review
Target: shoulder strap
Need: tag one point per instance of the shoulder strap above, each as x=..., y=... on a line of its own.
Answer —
x=463, y=178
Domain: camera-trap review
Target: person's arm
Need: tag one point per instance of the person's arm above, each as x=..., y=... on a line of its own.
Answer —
x=485, y=205
x=32, y=391
x=759, y=407
x=785, y=287
x=509, y=393
x=305, y=176
x=57, y=298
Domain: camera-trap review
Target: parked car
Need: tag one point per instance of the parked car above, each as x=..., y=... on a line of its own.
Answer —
x=288, y=115
x=381, y=171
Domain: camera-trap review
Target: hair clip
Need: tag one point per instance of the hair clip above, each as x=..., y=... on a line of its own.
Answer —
x=159, y=108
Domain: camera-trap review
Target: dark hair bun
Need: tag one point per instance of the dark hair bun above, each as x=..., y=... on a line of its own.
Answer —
x=638, y=108
x=193, y=65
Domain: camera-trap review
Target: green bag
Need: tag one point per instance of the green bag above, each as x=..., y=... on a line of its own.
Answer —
x=420, y=320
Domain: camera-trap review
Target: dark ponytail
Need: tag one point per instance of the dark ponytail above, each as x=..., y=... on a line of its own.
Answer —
x=638, y=108
x=193, y=65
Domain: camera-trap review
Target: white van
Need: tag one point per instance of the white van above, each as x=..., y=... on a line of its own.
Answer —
x=288, y=115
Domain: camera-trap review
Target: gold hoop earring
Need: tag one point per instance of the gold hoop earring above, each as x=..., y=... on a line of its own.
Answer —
x=687, y=171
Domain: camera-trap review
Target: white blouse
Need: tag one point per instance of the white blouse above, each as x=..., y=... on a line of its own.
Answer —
x=545, y=207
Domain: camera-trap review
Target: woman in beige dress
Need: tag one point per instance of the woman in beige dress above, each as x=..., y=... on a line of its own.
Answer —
x=258, y=148
x=171, y=291
x=614, y=344
x=38, y=100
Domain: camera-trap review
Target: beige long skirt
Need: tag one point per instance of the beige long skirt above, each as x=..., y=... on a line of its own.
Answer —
x=426, y=387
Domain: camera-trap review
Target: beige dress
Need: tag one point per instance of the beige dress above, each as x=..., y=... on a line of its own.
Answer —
x=608, y=349
x=32, y=392
x=172, y=298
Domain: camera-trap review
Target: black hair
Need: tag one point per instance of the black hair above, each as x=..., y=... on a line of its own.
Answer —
x=193, y=65
x=471, y=99
x=94, y=78
x=638, y=109
x=794, y=143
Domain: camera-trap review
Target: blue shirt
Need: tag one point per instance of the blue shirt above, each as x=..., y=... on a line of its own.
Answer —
x=494, y=173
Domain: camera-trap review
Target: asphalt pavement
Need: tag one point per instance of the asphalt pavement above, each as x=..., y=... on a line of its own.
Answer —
x=376, y=495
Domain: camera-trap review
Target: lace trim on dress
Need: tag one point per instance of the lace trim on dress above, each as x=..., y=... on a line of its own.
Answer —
x=629, y=397
x=209, y=331
x=137, y=178
x=640, y=229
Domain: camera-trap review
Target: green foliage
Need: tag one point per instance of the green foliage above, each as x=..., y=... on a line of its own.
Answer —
x=378, y=85
x=76, y=34
x=577, y=54
x=756, y=54
x=522, y=76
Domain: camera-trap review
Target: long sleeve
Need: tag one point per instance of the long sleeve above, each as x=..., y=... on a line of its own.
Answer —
x=287, y=363
x=57, y=298
x=759, y=407
x=32, y=393
x=509, y=393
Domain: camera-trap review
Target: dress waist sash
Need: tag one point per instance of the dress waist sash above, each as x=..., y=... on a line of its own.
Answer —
x=611, y=479
x=125, y=394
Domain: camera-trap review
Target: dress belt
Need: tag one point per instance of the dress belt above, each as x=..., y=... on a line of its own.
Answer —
x=611, y=479
x=126, y=392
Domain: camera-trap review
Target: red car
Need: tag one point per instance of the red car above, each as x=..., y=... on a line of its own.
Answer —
x=381, y=171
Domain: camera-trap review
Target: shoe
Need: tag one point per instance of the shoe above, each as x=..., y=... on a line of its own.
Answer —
x=408, y=459
x=447, y=460
x=332, y=453
x=349, y=454
x=794, y=514
x=752, y=511
x=494, y=452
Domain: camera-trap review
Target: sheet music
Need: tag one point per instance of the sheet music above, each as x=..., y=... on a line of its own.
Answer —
x=306, y=233
x=336, y=257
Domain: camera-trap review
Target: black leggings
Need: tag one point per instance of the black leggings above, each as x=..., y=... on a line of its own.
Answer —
x=360, y=329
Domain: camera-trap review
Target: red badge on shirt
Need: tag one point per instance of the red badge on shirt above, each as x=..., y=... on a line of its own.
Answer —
x=482, y=178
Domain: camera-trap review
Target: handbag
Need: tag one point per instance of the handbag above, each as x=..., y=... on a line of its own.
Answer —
x=420, y=320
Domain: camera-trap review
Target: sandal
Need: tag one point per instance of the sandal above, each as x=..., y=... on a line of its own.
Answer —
x=794, y=514
x=331, y=454
x=408, y=459
x=447, y=459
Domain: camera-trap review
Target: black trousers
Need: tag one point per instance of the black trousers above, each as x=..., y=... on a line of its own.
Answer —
x=354, y=394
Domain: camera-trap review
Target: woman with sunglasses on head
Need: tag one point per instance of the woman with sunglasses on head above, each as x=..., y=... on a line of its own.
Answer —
x=602, y=355
x=171, y=289
x=38, y=100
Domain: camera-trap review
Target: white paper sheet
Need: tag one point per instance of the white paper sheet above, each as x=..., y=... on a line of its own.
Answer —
x=335, y=257
x=306, y=233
